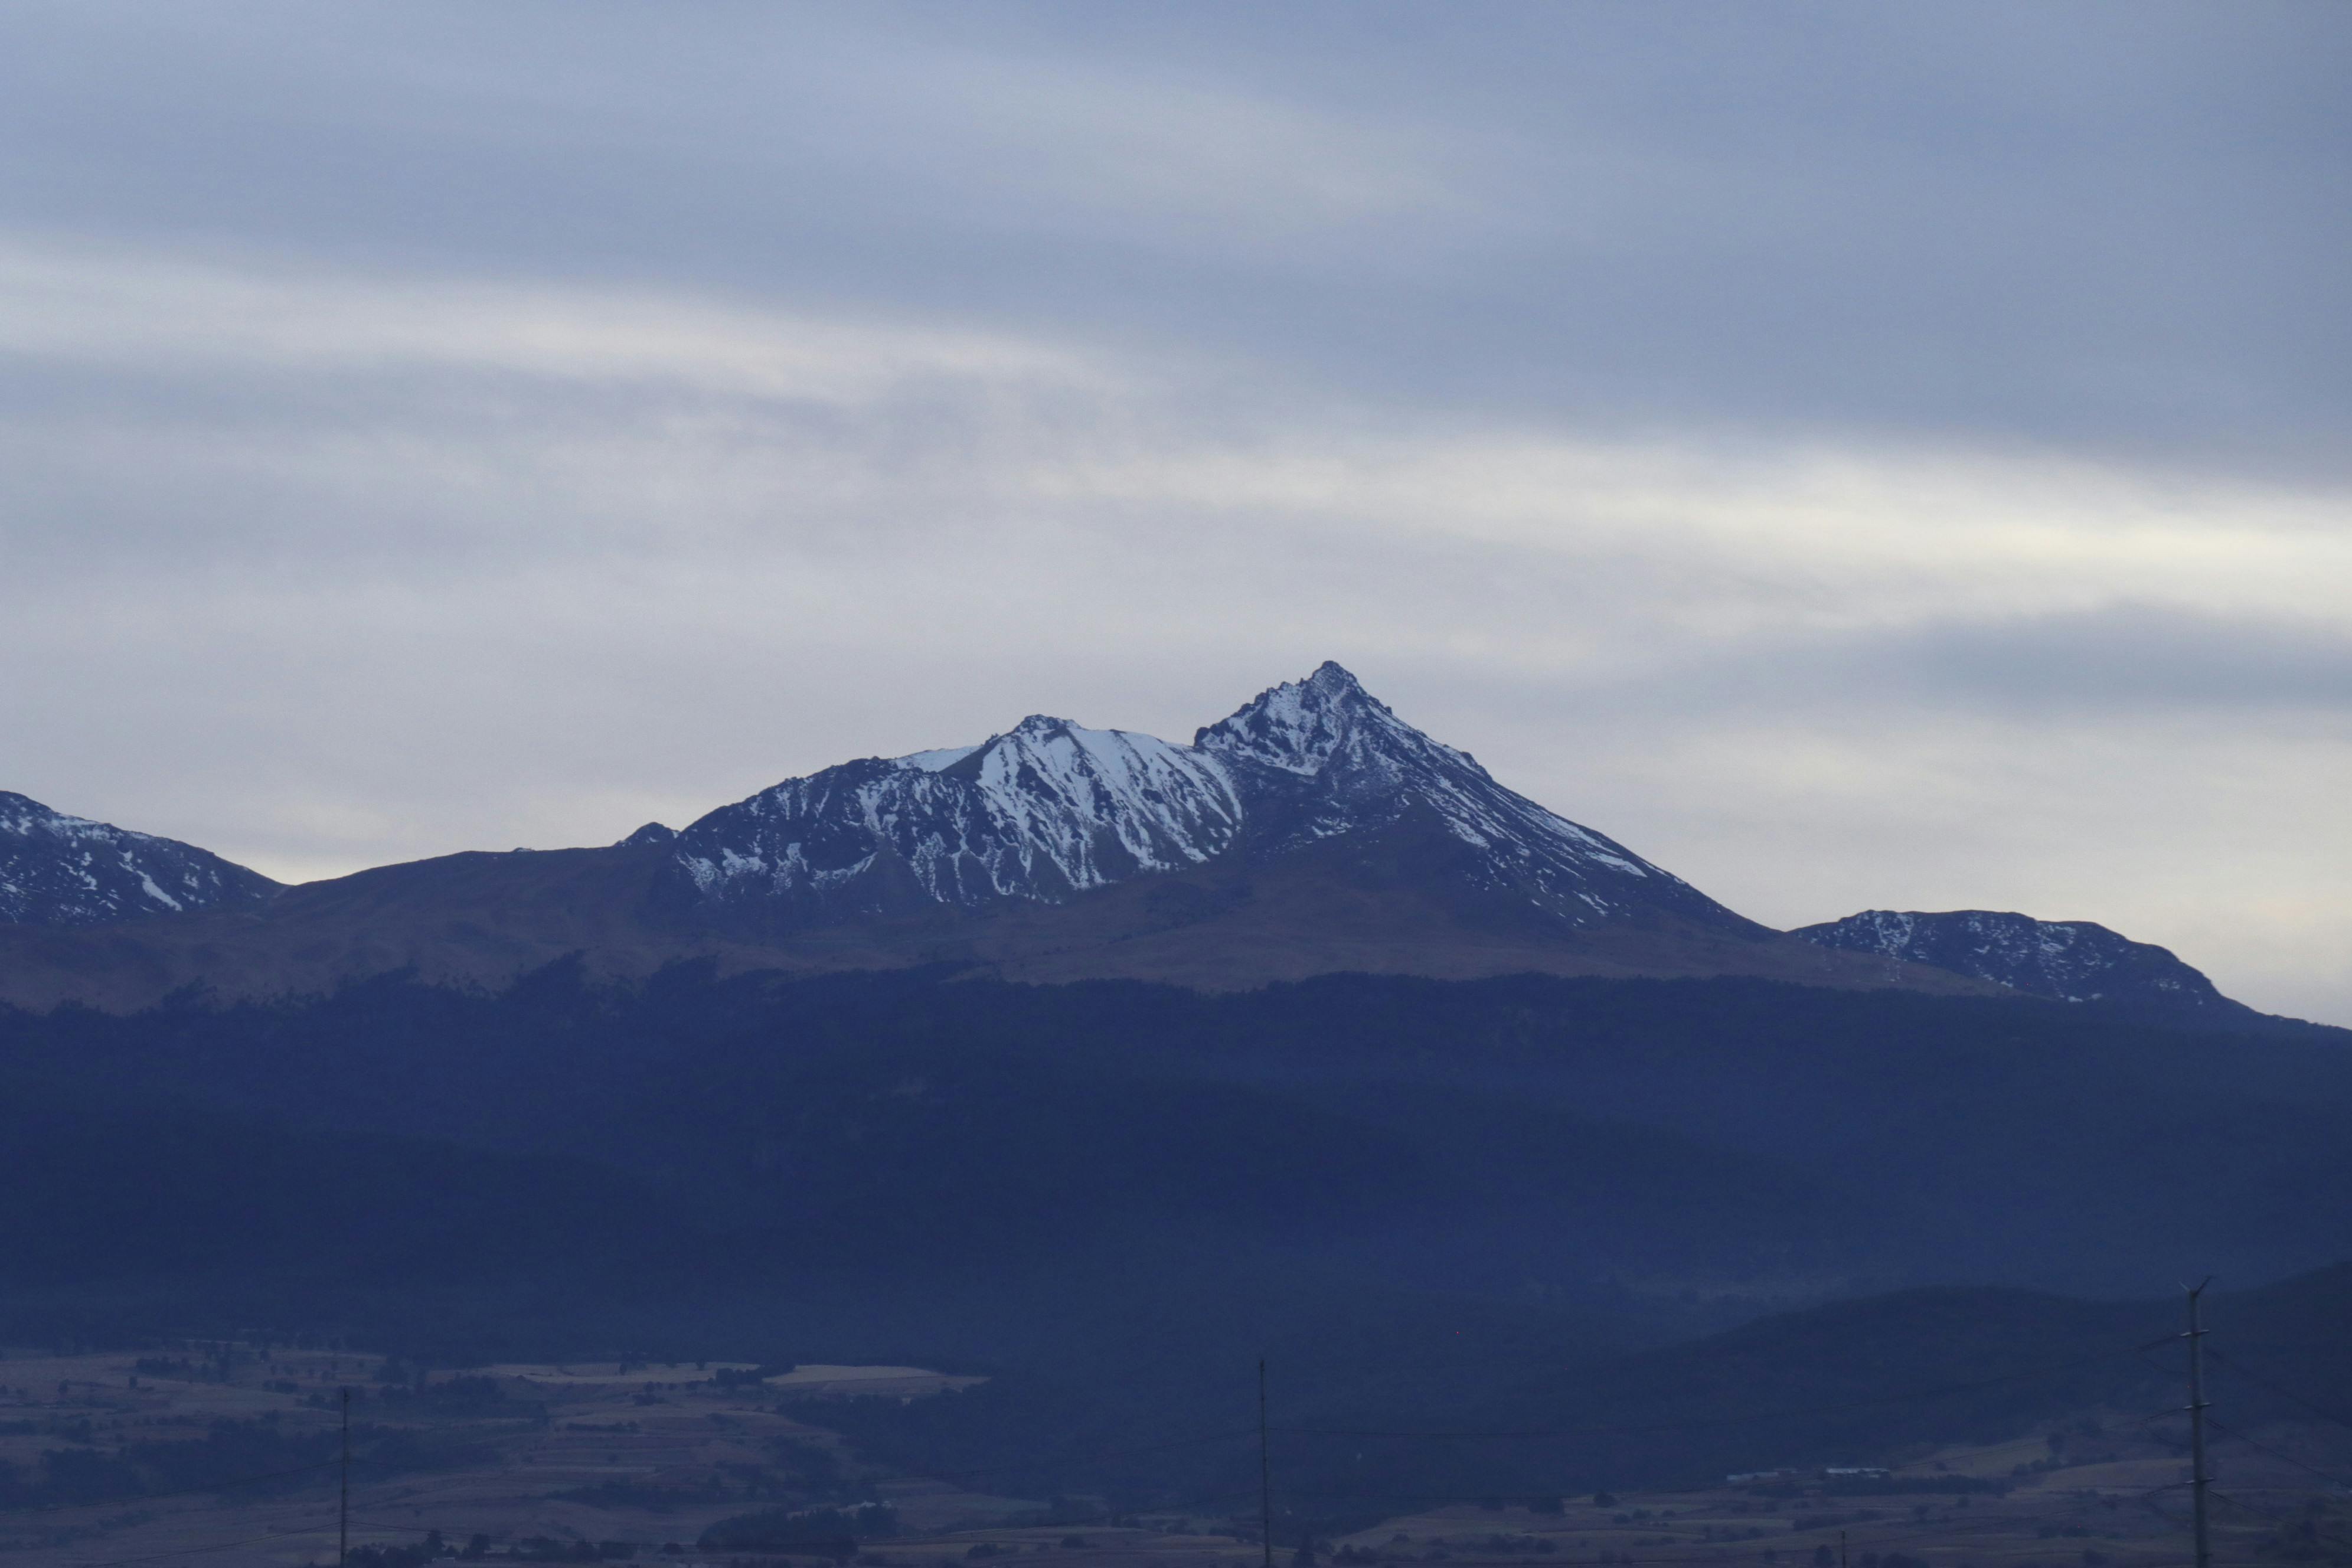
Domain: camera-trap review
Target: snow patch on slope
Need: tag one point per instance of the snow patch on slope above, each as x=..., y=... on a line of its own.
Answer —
x=2069, y=961
x=57, y=870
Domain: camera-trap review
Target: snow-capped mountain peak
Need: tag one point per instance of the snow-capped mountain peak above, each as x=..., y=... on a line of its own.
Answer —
x=1050, y=809
x=1300, y=726
x=2067, y=961
x=1044, y=811
x=1329, y=758
x=57, y=870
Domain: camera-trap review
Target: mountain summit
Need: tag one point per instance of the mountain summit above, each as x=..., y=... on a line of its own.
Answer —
x=1323, y=757
x=1050, y=810
x=60, y=870
x=1302, y=726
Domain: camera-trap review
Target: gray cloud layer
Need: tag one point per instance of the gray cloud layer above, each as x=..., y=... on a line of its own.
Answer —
x=1856, y=455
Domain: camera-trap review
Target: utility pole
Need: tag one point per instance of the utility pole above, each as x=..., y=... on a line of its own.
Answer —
x=2200, y=1477
x=1841, y=1549
x=1266, y=1475
x=343, y=1511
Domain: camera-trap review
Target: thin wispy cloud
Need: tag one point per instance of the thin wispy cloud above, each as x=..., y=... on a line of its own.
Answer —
x=84, y=305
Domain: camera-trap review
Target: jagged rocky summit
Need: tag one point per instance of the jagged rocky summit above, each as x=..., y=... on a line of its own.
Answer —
x=60, y=870
x=2065, y=960
x=1049, y=810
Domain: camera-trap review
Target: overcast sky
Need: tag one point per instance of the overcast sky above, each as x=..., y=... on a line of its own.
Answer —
x=1859, y=456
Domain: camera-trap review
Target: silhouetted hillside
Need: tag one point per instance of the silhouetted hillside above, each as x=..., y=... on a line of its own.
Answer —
x=1430, y=1201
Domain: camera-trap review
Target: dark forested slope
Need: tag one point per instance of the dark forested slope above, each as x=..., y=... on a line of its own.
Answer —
x=1415, y=1195
x=1720, y=1135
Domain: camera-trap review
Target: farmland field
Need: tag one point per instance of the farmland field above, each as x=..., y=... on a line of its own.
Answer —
x=231, y=1453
